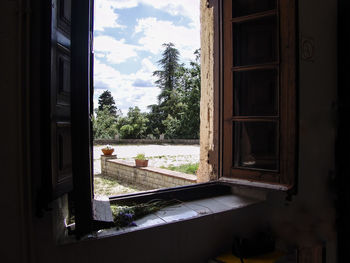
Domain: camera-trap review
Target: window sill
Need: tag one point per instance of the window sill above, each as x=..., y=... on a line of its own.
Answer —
x=255, y=184
x=184, y=211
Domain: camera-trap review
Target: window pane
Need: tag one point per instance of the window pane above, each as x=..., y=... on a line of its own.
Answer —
x=256, y=93
x=255, y=42
x=256, y=145
x=247, y=7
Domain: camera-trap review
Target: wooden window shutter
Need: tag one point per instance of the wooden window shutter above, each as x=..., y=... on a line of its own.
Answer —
x=259, y=90
x=60, y=98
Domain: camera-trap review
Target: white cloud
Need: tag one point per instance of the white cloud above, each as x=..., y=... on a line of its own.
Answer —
x=156, y=32
x=128, y=89
x=187, y=8
x=104, y=15
x=115, y=51
x=122, y=88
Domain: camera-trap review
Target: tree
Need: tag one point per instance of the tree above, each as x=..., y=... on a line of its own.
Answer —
x=134, y=125
x=106, y=99
x=155, y=125
x=167, y=80
x=104, y=124
x=190, y=89
x=177, y=112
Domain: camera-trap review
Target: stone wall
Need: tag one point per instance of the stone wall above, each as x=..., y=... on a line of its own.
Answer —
x=146, y=177
x=146, y=141
x=205, y=170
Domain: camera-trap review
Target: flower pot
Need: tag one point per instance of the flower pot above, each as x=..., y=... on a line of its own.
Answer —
x=141, y=163
x=107, y=151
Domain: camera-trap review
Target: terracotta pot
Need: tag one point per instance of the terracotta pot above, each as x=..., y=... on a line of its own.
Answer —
x=141, y=163
x=107, y=151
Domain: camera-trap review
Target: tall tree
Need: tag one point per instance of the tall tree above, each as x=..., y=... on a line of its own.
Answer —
x=190, y=88
x=106, y=100
x=167, y=79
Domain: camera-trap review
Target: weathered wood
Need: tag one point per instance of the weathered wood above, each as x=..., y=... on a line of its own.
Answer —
x=227, y=88
x=240, y=19
x=288, y=107
x=182, y=193
x=285, y=64
x=60, y=99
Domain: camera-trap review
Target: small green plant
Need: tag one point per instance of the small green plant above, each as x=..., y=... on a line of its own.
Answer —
x=140, y=156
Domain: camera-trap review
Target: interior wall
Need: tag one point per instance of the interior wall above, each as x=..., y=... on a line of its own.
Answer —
x=14, y=172
x=309, y=219
x=306, y=220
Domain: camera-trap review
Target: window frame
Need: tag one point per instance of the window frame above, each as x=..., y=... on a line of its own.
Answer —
x=82, y=19
x=287, y=53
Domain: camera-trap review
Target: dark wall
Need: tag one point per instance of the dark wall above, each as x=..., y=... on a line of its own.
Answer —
x=306, y=220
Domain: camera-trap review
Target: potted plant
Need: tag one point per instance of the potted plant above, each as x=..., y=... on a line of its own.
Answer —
x=140, y=160
x=107, y=150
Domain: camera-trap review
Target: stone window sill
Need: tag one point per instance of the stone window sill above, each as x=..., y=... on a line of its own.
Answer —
x=184, y=211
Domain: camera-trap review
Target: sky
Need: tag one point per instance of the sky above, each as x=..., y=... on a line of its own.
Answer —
x=128, y=38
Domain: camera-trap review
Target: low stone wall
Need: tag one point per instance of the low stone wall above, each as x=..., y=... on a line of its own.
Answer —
x=147, y=177
x=146, y=141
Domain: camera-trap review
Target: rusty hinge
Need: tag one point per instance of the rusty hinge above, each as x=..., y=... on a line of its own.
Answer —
x=212, y=160
x=210, y=3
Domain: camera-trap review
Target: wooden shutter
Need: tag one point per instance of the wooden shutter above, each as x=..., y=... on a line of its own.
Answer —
x=259, y=90
x=60, y=98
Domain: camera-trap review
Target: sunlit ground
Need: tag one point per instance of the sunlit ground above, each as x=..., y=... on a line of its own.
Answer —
x=182, y=158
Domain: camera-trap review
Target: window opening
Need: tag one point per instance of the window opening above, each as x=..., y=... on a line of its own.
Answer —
x=146, y=94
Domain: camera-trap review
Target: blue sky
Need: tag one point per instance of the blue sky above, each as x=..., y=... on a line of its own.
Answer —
x=128, y=38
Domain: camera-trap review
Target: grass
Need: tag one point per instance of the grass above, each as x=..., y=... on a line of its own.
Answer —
x=107, y=186
x=190, y=168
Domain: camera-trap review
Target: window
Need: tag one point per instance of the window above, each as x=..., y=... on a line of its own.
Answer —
x=259, y=90
x=255, y=97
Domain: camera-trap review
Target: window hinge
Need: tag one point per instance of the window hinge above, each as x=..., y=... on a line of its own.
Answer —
x=212, y=160
x=209, y=3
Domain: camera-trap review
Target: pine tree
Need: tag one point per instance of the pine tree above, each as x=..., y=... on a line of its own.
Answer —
x=106, y=100
x=167, y=79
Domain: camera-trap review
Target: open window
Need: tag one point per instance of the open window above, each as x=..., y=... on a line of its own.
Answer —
x=259, y=91
x=254, y=90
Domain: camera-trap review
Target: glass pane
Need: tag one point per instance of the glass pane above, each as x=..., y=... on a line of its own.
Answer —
x=256, y=93
x=247, y=7
x=255, y=42
x=256, y=145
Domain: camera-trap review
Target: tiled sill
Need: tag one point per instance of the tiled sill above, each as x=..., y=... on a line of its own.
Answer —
x=184, y=211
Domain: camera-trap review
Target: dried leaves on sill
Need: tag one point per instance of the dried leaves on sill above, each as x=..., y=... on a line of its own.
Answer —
x=125, y=216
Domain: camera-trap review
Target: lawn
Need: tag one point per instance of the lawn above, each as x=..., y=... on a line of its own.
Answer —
x=108, y=186
x=190, y=168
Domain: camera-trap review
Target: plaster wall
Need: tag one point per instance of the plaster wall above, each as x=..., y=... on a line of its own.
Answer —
x=306, y=220
x=310, y=218
x=205, y=171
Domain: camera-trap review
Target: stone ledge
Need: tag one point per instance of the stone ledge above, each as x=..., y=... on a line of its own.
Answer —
x=152, y=177
x=157, y=170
